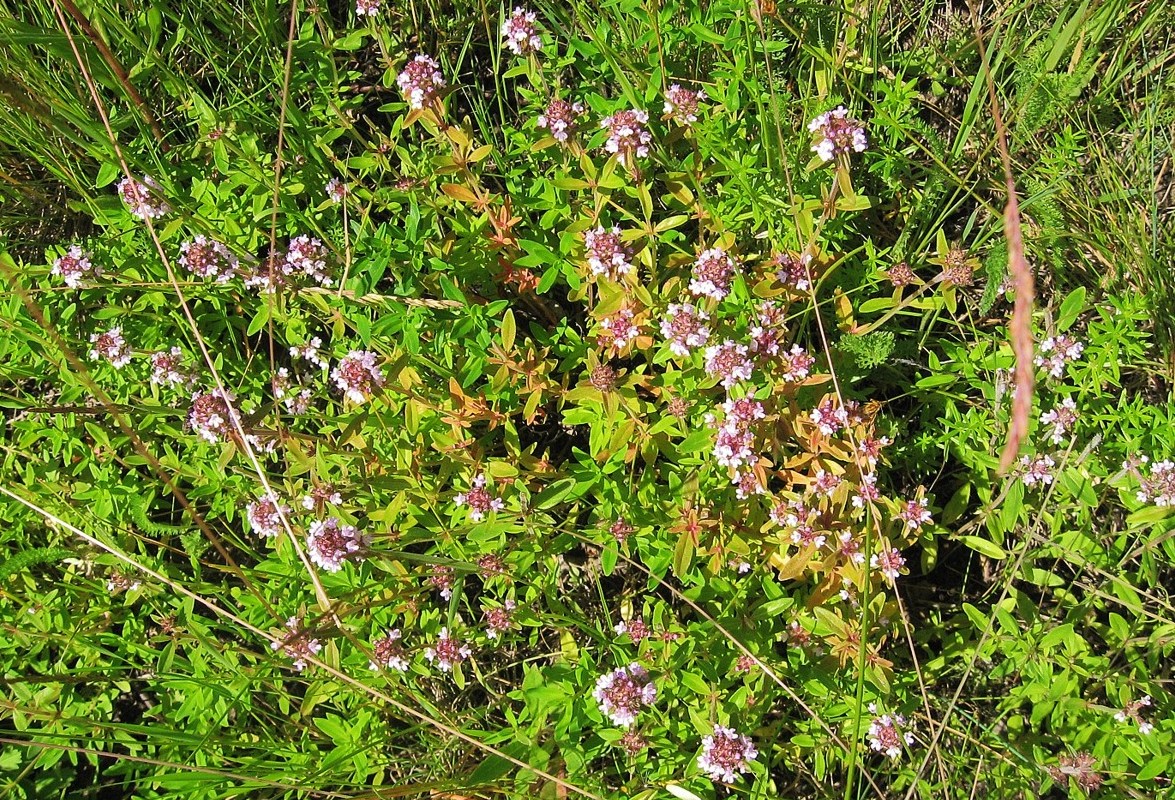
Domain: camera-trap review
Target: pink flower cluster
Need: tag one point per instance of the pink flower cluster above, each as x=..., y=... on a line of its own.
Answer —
x=298, y=644
x=768, y=333
x=560, y=118
x=358, y=375
x=886, y=733
x=1132, y=712
x=681, y=105
x=479, y=500
x=1037, y=470
x=623, y=692
x=792, y=270
x=441, y=579
x=319, y=497
x=331, y=544
x=206, y=258
x=212, y=414
x=421, y=81
x=839, y=134
x=448, y=652
x=366, y=8
x=167, y=368
x=307, y=255
x=795, y=365
x=685, y=328
x=734, y=445
x=726, y=754
x=1158, y=487
x=310, y=352
x=294, y=397
x=619, y=329
x=499, y=620
x=1061, y=417
x=712, y=274
x=142, y=198
x=729, y=362
x=915, y=513
x=111, y=347
x=521, y=33
x=889, y=562
x=75, y=266
x=265, y=516
x=336, y=190
x=607, y=254
x=830, y=417
x=628, y=138
x=1056, y=352
x=388, y=653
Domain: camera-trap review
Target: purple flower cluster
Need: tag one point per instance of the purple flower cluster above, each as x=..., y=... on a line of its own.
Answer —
x=75, y=266
x=358, y=375
x=628, y=138
x=331, y=544
x=561, y=118
x=839, y=134
x=623, y=692
x=607, y=254
x=206, y=258
x=712, y=274
x=685, y=327
x=726, y=754
x=421, y=81
x=521, y=33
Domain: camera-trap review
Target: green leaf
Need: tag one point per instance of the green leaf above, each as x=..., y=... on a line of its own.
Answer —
x=508, y=331
x=680, y=793
x=548, y=280
x=1071, y=308
x=259, y=320
x=931, y=381
x=695, y=441
x=980, y=545
x=106, y=175
x=553, y=494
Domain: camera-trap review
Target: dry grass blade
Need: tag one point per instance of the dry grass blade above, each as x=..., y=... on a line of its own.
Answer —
x=1020, y=330
x=1021, y=327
